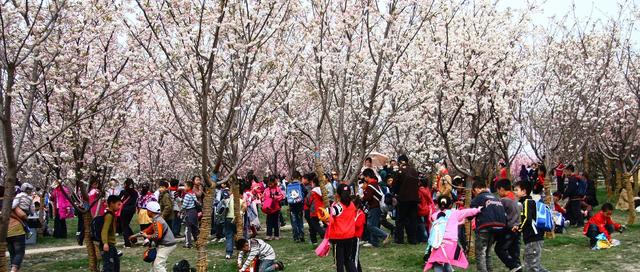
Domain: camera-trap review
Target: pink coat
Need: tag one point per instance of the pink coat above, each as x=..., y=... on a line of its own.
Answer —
x=98, y=205
x=64, y=208
x=273, y=196
x=446, y=253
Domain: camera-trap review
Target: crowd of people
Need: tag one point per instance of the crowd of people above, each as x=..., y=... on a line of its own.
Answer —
x=384, y=205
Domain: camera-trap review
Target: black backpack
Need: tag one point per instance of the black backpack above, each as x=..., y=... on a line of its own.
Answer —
x=183, y=266
x=96, y=227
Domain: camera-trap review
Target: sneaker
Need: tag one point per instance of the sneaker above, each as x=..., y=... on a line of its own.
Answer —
x=187, y=246
x=222, y=240
x=367, y=245
x=277, y=238
x=517, y=269
x=214, y=240
x=269, y=238
x=280, y=266
x=120, y=253
x=387, y=240
x=594, y=248
x=228, y=257
x=361, y=243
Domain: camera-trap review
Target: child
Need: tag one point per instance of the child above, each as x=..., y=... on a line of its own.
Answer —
x=342, y=229
x=372, y=196
x=508, y=242
x=271, y=206
x=533, y=239
x=257, y=248
x=361, y=220
x=166, y=203
x=444, y=250
x=110, y=258
x=602, y=223
x=312, y=204
x=189, y=206
x=23, y=200
x=490, y=222
x=160, y=233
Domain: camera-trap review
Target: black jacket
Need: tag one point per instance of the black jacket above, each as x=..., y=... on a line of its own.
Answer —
x=493, y=215
x=527, y=219
x=571, y=190
x=406, y=184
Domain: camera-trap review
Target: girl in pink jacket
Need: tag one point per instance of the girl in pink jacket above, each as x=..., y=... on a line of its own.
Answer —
x=443, y=250
x=271, y=206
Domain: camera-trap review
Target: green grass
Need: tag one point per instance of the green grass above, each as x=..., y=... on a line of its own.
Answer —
x=567, y=252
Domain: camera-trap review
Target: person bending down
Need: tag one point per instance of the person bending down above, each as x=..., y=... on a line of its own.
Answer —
x=257, y=248
x=602, y=223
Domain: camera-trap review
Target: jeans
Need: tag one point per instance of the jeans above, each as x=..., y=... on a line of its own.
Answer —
x=125, y=221
x=160, y=263
x=177, y=223
x=442, y=268
x=373, y=226
x=273, y=224
x=229, y=231
x=574, y=212
x=594, y=231
x=192, y=224
x=508, y=248
x=16, y=245
x=110, y=260
x=423, y=236
x=484, y=242
x=532, y=254
x=407, y=221
x=267, y=266
x=297, y=225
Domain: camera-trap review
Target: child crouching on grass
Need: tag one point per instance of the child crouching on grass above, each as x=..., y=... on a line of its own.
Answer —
x=257, y=248
x=602, y=223
x=533, y=239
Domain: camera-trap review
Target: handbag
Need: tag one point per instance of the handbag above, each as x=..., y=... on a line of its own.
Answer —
x=325, y=246
x=149, y=255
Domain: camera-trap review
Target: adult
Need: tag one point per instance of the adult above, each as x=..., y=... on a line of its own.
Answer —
x=524, y=174
x=16, y=234
x=572, y=192
x=406, y=188
x=129, y=198
x=62, y=208
x=592, y=187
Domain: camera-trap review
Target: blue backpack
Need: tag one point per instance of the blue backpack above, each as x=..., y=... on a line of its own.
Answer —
x=295, y=195
x=544, y=218
x=582, y=187
x=438, y=229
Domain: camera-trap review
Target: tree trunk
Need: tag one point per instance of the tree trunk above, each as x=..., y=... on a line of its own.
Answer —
x=629, y=186
x=91, y=248
x=586, y=165
x=548, y=199
x=237, y=208
x=619, y=183
x=467, y=204
x=205, y=225
x=636, y=181
x=608, y=180
x=321, y=177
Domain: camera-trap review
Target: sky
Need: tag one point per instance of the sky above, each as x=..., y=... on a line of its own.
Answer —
x=597, y=9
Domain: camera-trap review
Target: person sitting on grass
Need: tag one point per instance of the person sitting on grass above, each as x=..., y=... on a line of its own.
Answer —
x=257, y=248
x=602, y=223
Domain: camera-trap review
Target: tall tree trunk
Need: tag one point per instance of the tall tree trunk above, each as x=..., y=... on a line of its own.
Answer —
x=321, y=177
x=548, y=199
x=237, y=208
x=205, y=226
x=629, y=186
x=91, y=248
x=11, y=165
x=608, y=180
x=636, y=181
x=619, y=183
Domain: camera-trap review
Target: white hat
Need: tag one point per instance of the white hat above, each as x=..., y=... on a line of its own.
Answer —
x=26, y=187
x=153, y=207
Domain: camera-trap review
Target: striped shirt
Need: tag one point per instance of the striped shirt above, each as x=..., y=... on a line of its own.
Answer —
x=189, y=201
x=259, y=249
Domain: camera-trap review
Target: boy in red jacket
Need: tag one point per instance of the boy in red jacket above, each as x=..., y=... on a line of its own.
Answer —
x=602, y=223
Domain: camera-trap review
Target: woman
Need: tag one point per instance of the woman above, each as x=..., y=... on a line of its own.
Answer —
x=129, y=197
x=62, y=208
x=146, y=195
x=524, y=174
x=271, y=206
x=445, y=225
x=342, y=229
x=97, y=204
x=16, y=234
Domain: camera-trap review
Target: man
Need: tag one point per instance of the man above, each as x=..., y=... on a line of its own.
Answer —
x=406, y=189
x=489, y=222
x=160, y=233
x=508, y=242
x=574, y=206
x=110, y=258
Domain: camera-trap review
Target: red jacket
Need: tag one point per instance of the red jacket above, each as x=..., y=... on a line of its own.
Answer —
x=342, y=223
x=314, y=202
x=426, y=201
x=559, y=208
x=361, y=220
x=601, y=220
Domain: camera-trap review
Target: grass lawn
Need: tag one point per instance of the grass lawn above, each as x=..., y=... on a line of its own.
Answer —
x=567, y=252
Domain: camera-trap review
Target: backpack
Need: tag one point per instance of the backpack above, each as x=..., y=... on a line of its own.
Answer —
x=222, y=208
x=380, y=198
x=582, y=187
x=96, y=227
x=183, y=266
x=438, y=229
x=295, y=195
x=544, y=217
